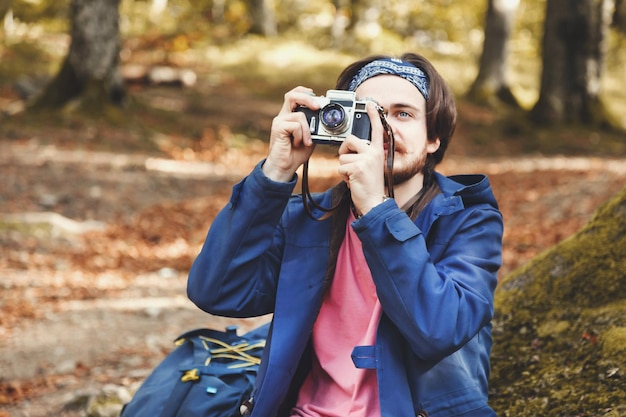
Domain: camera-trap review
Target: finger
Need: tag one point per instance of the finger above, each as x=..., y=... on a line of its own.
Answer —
x=353, y=145
x=376, y=125
x=348, y=158
x=293, y=127
x=299, y=96
x=304, y=131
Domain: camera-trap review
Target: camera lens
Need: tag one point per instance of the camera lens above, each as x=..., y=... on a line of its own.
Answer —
x=333, y=117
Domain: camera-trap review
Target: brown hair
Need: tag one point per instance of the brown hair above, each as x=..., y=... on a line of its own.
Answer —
x=440, y=107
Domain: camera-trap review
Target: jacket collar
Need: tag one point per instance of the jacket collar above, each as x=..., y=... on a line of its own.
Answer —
x=472, y=189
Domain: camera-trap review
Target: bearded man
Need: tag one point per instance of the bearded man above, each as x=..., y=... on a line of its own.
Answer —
x=384, y=307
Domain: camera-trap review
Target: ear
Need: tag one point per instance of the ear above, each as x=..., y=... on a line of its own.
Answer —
x=432, y=145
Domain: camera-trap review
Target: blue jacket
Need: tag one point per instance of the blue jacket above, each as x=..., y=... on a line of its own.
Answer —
x=435, y=280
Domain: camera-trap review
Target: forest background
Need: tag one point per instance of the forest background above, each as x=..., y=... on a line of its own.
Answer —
x=111, y=174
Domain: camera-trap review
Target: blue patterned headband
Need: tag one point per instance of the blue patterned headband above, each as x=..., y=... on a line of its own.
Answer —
x=392, y=66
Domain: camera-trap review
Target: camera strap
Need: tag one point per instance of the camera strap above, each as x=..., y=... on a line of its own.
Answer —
x=307, y=197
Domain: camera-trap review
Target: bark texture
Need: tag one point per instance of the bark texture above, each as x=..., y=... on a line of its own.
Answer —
x=90, y=69
x=619, y=17
x=263, y=18
x=573, y=56
x=5, y=6
x=492, y=84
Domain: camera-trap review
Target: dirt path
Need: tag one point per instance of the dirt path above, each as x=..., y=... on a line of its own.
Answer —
x=94, y=291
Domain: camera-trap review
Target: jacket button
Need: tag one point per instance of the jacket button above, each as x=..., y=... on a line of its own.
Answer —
x=421, y=413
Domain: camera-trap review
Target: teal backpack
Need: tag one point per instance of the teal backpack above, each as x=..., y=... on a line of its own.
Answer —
x=209, y=374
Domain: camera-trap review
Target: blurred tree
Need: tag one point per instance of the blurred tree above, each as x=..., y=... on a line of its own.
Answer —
x=89, y=72
x=340, y=22
x=5, y=7
x=263, y=18
x=364, y=22
x=619, y=17
x=217, y=10
x=362, y=27
x=573, y=55
x=492, y=83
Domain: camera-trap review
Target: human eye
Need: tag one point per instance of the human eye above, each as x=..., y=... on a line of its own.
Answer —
x=402, y=114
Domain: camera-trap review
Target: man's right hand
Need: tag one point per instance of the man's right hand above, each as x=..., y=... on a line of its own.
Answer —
x=291, y=144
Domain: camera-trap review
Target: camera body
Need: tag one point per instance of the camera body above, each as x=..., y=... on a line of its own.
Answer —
x=340, y=115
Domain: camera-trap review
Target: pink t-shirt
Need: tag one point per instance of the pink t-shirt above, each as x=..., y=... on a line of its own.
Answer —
x=348, y=317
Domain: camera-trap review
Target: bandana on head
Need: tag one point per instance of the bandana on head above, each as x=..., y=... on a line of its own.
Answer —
x=392, y=66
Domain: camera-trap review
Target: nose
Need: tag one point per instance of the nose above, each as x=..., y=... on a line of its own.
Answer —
x=388, y=125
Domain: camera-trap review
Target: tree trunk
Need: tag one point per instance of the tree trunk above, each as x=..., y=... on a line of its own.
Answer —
x=263, y=18
x=491, y=82
x=90, y=70
x=560, y=325
x=217, y=11
x=619, y=17
x=573, y=56
x=341, y=22
x=5, y=6
x=365, y=23
x=6, y=17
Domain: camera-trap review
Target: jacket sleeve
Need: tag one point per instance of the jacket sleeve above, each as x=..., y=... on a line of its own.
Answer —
x=235, y=273
x=438, y=295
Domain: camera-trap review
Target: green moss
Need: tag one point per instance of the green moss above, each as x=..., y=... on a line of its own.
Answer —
x=560, y=326
x=552, y=328
x=614, y=342
x=581, y=271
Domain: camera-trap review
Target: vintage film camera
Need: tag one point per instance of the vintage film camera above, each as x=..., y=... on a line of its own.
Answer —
x=339, y=116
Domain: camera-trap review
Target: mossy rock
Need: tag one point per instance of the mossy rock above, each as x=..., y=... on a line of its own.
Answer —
x=560, y=326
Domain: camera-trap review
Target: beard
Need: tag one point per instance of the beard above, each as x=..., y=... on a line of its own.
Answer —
x=409, y=168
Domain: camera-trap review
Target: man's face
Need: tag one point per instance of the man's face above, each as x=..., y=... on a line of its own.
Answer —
x=405, y=108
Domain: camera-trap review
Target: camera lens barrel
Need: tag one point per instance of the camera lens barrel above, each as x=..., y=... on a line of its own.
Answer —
x=333, y=117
